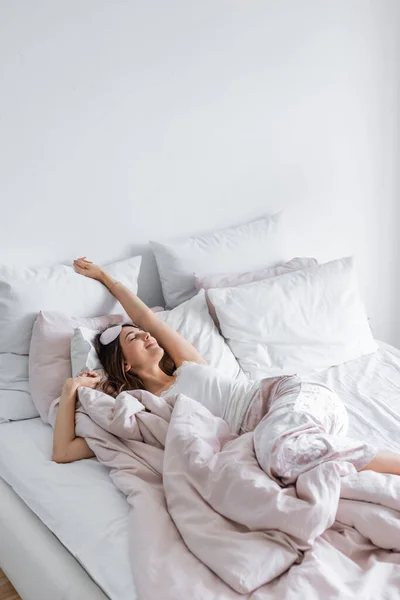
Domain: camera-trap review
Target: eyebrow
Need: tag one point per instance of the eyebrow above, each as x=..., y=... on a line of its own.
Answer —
x=129, y=332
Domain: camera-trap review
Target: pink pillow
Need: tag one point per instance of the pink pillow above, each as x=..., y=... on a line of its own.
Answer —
x=222, y=280
x=49, y=354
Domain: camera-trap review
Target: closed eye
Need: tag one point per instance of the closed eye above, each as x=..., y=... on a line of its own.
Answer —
x=135, y=336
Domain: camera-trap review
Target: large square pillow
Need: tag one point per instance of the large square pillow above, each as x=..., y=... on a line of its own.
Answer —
x=191, y=319
x=297, y=323
x=26, y=292
x=245, y=247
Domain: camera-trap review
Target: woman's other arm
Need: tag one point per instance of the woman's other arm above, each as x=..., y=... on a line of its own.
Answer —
x=67, y=446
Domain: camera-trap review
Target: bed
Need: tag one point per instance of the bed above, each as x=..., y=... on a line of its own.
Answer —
x=66, y=530
x=69, y=551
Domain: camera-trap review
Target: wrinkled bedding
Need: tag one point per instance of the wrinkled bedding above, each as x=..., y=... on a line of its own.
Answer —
x=206, y=522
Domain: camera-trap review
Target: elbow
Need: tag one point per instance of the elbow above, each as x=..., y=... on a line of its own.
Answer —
x=60, y=458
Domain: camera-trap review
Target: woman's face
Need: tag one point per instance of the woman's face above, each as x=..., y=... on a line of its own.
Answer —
x=139, y=348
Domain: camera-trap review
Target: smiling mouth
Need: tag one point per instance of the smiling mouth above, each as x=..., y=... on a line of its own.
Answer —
x=152, y=343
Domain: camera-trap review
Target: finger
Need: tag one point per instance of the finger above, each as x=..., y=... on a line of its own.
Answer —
x=83, y=260
x=82, y=267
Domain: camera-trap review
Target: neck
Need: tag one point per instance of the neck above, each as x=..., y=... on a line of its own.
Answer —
x=155, y=381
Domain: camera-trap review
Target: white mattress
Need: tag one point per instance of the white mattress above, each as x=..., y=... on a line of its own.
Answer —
x=79, y=503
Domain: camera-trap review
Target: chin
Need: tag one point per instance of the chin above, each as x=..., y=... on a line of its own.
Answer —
x=157, y=351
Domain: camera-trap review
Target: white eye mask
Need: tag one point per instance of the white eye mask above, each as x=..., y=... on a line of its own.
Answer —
x=110, y=334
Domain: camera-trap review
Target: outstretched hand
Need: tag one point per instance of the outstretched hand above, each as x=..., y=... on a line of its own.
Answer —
x=88, y=269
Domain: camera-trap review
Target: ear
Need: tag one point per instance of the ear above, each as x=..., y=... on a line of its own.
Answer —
x=127, y=367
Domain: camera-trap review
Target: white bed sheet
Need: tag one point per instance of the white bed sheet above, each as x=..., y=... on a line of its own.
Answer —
x=63, y=497
x=370, y=389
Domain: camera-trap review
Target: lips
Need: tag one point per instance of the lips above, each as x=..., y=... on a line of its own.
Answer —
x=150, y=343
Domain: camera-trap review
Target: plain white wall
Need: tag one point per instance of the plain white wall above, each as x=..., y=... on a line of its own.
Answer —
x=123, y=121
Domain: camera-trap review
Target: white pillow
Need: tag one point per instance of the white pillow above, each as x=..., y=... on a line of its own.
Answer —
x=243, y=248
x=191, y=320
x=16, y=406
x=221, y=280
x=26, y=292
x=83, y=354
x=15, y=400
x=300, y=322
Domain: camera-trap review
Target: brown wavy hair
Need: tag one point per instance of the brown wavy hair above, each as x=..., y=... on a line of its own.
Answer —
x=117, y=378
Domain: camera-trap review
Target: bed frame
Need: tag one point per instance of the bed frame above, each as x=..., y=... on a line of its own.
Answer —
x=34, y=560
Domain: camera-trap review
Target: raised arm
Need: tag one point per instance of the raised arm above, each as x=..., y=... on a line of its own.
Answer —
x=178, y=348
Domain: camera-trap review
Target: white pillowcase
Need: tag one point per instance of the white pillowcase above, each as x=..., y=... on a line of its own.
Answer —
x=26, y=292
x=246, y=247
x=83, y=354
x=300, y=322
x=15, y=400
x=191, y=320
x=221, y=280
x=16, y=406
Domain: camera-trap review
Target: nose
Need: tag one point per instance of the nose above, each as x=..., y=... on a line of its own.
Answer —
x=146, y=335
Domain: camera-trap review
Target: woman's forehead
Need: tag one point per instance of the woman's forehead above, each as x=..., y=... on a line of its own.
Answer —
x=128, y=329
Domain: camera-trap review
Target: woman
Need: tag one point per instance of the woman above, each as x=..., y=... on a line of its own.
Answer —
x=308, y=419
